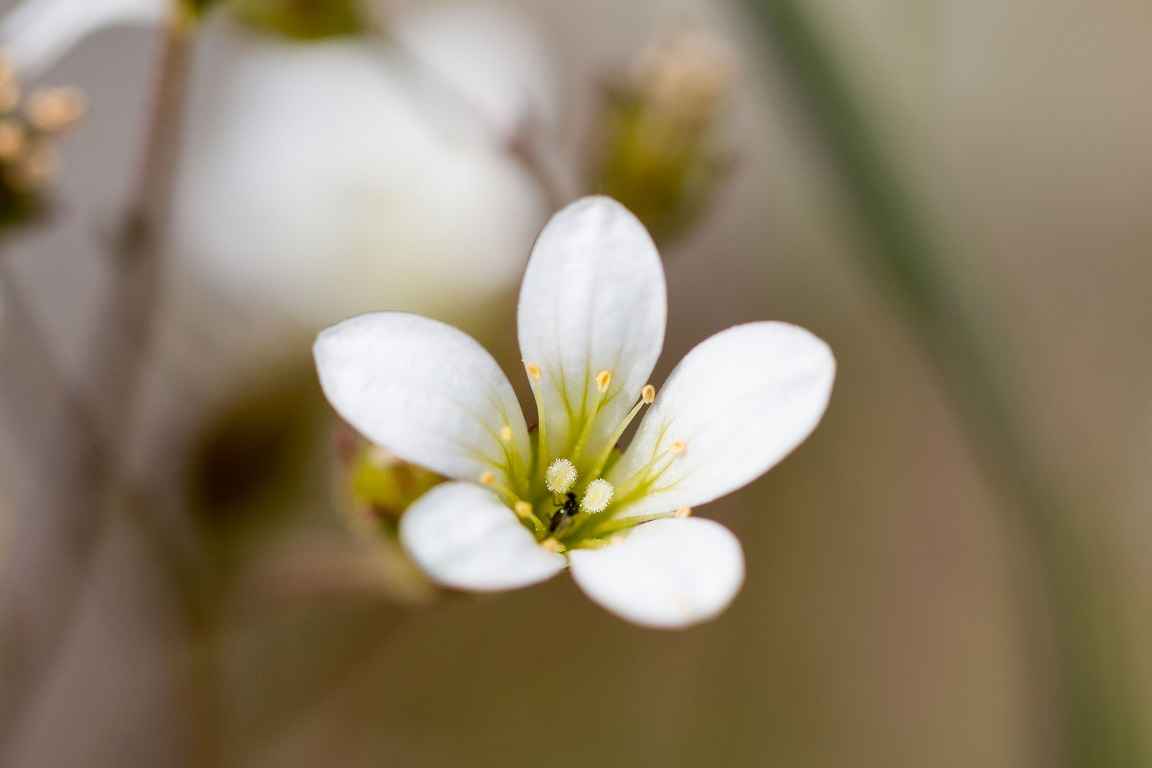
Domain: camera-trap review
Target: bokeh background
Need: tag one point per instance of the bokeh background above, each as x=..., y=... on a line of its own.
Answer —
x=895, y=613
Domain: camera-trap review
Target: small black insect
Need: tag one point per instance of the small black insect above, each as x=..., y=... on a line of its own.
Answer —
x=564, y=514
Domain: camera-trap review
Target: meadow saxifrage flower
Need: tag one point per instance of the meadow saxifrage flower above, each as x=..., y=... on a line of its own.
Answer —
x=526, y=504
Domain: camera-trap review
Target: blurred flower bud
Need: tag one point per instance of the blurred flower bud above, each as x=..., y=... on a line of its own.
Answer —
x=29, y=129
x=379, y=484
x=379, y=487
x=300, y=19
x=656, y=149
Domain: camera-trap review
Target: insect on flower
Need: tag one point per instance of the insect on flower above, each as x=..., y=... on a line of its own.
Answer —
x=526, y=505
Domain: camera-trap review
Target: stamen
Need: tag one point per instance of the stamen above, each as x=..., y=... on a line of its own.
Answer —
x=506, y=433
x=523, y=510
x=603, y=380
x=560, y=476
x=598, y=496
x=647, y=474
x=488, y=480
x=535, y=374
x=683, y=512
x=647, y=395
x=550, y=545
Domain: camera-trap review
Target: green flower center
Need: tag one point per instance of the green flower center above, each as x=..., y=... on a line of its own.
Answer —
x=565, y=499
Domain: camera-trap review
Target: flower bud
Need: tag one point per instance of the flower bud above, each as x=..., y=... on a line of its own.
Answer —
x=656, y=153
x=301, y=19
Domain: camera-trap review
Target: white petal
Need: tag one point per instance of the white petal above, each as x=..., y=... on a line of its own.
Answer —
x=463, y=537
x=593, y=300
x=667, y=574
x=424, y=390
x=738, y=403
x=38, y=33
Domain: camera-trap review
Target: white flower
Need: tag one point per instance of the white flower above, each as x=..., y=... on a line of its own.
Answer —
x=591, y=325
x=37, y=33
x=322, y=179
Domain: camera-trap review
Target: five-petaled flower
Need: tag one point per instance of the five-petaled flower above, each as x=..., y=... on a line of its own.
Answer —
x=525, y=503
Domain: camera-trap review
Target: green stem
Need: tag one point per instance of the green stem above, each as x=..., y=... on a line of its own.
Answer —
x=953, y=326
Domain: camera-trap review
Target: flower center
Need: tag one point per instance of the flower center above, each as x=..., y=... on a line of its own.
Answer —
x=566, y=501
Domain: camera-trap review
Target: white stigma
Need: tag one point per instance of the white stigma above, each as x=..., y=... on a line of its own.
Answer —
x=597, y=497
x=560, y=477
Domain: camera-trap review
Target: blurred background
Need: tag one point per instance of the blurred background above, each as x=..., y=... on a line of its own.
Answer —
x=952, y=571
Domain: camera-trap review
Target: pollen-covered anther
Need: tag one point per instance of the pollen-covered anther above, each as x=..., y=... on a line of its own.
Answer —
x=506, y=433
x=534, y=371
x=598, y=496
x=683, y=512
x=487, y=478
x=603, y=380
x=522, y=508
x=648, y=394
x=560, y=476
x=678, y=446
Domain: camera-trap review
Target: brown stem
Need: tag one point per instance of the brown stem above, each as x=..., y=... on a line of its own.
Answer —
x=80, y=478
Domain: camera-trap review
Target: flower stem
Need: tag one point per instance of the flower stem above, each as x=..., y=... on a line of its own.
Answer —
x=954, y=328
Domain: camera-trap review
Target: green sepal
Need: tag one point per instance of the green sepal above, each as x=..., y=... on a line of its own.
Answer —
x=301, y=19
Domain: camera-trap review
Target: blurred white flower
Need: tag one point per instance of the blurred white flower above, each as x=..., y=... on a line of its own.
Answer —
x=327, y=178
x=489, y=57
x=37, y=33
x=525, y=505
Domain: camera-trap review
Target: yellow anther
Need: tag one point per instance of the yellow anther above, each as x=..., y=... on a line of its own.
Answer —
x=684, y=512
x=506, y=433
x=534, y=372
x=549, y=544
x=522, y=508
x=487, y=478
x=598, y=496
x=678, y=447
x=603, y=380
x=648, y=394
